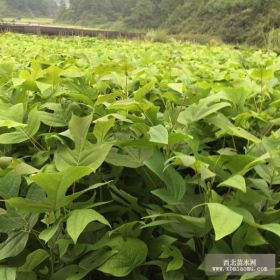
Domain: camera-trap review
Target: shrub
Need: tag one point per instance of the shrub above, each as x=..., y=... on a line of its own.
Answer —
x=158, y=35
x=273, y=40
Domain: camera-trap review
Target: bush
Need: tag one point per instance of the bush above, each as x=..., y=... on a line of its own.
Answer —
x=273, y=40
x=159, y=36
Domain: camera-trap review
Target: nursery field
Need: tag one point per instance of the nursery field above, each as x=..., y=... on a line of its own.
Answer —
x=134, y=160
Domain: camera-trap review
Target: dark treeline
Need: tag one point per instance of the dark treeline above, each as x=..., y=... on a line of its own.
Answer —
x=28, y=8
x=231, y=20
x=130, y=13
x=234, y=21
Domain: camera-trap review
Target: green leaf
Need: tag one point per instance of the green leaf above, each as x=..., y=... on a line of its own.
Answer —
x=48, y=233
x=79, y=219
x=43, y=86
x=177, y=258
x=127, y=105
x=175, y=184
x=91, y=156
x=262, y=74
x=236, y=182
x=191, y=224
x=101, y=129
x=79, y=129
x=54, y=119
x=176, y=87
x=142, y=92
x=129, y=157
x=63, y=245
x=200, y=111
x=11, y=124
x=242, y=133
x=224, y=220
x=85, y=153
x=131, y=254
x=29, y=205
x=23, y=133
x=226, y=126
x=73, y=272
x=33, y=260
x=14, y=245
x=274, y=228
x=159, y=134
x=14, y=113
x=9, y=185
x=182, y=159
x=8, y=273
x=55, y=185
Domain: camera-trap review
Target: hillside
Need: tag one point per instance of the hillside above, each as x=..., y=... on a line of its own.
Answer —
x=231, y=20
x=28, y=8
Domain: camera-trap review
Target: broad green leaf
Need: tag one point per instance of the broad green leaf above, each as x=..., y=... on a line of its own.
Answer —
x=9, y=185
x=14, y=245
x=236, y=182
x=237, y=95
x=206, y=173
x=14, y=113
x=69, y=271
x=131, y=254
x=129, y=157
x=143, y=91
x=191, y=224
x=55, y=186
x=200, y=111
x=10, y=124
x=175, y=185
x=79, y=129
x=127, y=105
x=85, y=153
x=8, y=273
x=72, y=72
x=176, y=87
x=33, y=260
x=23, y=133
x=91, y=156
x=63, y=245
x=224, y=220
x=254, y=238
x=48, y=233
x=79, y=219
x=182, y=159
x=159, y=134
x=43, y=87
x=177, y=258
x=274, y=228
x=262, y=74
x=101, y=129
x=29, y=205
x=242, y=133
x=55, y=119
x=227, y=127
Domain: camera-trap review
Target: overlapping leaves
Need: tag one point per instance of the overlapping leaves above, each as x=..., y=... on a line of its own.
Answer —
x=134, y=160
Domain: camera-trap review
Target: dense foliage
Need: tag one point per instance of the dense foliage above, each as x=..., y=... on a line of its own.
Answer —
x=233, y=21
x=134, y=160
x=28, y=8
